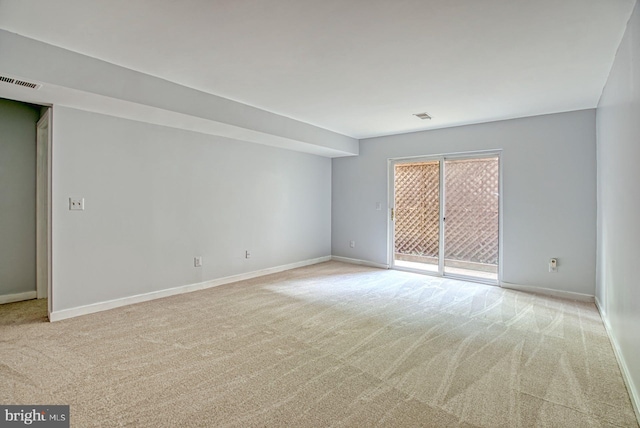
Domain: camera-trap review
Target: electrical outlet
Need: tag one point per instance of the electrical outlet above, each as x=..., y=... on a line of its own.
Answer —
x=76, y=204
x=197, y=261
x=378, y=206
x=247, y=254
x=352, y=244
x=553, y=265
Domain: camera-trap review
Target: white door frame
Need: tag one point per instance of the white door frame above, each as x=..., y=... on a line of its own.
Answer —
x=392, y=162
x=43, y=209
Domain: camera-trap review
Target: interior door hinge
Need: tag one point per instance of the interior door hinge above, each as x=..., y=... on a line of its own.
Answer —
x=393, y=214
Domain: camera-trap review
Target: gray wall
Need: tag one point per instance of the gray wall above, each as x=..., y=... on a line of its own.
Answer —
x=155, y=197
x=17, y=197
x=549, y=194
x=618, y=124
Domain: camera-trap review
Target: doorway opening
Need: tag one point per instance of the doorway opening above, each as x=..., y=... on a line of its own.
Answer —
x=25, y=154
x=446, y=216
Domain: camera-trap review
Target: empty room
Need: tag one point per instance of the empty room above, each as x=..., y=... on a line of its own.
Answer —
x=356, y=213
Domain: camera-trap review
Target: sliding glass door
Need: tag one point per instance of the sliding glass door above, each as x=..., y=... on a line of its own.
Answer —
x=471, y=217
x=445, y=216
x=417, y=214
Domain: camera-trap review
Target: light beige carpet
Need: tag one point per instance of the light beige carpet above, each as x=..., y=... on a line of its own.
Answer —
x=326, y=345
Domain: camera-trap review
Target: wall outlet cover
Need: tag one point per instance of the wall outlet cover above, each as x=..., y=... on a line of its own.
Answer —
x=76, y=204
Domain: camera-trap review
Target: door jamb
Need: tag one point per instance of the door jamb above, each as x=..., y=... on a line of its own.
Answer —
x=44, y=214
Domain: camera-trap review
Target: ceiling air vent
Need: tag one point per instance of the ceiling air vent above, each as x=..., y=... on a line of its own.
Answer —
x=19, y=82
x=422, y=116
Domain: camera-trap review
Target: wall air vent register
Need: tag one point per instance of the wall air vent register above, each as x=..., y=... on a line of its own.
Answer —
x=19, y=82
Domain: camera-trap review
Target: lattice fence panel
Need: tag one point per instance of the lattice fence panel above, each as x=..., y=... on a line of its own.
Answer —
x=472, y=210
x=417, y=209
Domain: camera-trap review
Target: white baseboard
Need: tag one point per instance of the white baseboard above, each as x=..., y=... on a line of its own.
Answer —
x=634, y=392
x=549, y=292
x=359, y=262
x=139, y=298
x=18, y=297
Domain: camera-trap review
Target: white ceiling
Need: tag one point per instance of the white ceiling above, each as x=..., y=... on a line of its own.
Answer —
x=357, y=67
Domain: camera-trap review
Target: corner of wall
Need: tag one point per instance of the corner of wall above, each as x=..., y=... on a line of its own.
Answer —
x=632, y=388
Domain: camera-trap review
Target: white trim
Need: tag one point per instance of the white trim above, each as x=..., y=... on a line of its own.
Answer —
x=390, y=206
x=43, y=207
x=634, y=392
x=18, y=297
x=50, y=297
x=130, y=300
x=442, y=213
x=500, y=218
x=437, y=156
x=418, y=271
x=549, y=292
x=469, y=278
x=359, y=262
